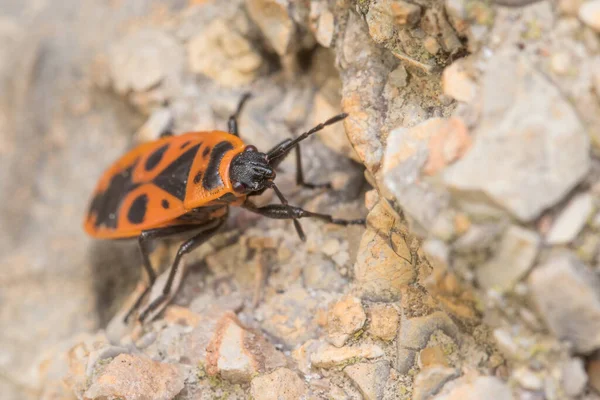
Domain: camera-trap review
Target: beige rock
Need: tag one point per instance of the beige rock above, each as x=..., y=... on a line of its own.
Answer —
x=328, y=356
x=528, y=379
x=573, y=377
x=224, y=55
x=325, y=27
x=132, y=377
x=405, y=13
x=432, y=45
x=430, y=380
x=370, y=378
x=344, y=318
x=458, y=83
x=593, y=371
x=483, y=387
x=432, y=356
x=237, y=354
x=160, y=121
x=566, y=293
x=589, y=13
x=380, y=20
x=281, y=384
x=571, y=220
x=274, y=21
x=384, y=321
x=513, y=259
x=416, y=332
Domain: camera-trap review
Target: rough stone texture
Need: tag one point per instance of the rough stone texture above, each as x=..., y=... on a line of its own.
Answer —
x=328, y=356
x=536, y=127
x=281, y=384
x=589, y=13
x=136, y=378
x=571, y=220
x=566, y=292
x=384, y=321
x=476, y=388
x=430, y=381
x=344, y=318
x=515, y=256
x=370, y=378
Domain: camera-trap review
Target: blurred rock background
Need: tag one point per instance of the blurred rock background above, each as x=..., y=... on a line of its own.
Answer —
x=470, y=145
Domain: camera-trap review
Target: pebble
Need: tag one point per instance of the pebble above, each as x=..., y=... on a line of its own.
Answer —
x=415, y=333
x=143, y=59
x=483, y=387
x=405, y=13
x=273, y=19
x=431, y=45
x=344, y=318
x=432, y=356
x=281, y=384
x=370, y=378
x=589, y=13
x=224, y=54
x=160, y=121
x=398, y=77
x=515, y=256
x=458, y=83
x=545, y=145
x=561, y=63
x=567, y=294
x=325, y=28
x=429, y=381
x=571, y=220
x=527, y=379
x=327, y=356
x=573, y=377
x=384, y=321
x=130, y=377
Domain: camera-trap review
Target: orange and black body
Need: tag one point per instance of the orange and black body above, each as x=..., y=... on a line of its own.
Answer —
x=186, y=183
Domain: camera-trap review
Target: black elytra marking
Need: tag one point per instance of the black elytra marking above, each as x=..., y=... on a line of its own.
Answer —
x=212, y=177
x=173, y=179
x=155, y=158
x=137, y=211
x=165, y=204
x=198, y=177
x=106, y=205
x=184, y=144
x=206, y=151
x=228, y=198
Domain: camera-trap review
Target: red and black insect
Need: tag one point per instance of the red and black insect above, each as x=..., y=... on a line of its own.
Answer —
x=186, y=183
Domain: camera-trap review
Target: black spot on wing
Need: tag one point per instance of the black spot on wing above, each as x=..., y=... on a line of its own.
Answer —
x=185, y=144
x=212, y=177
x=137, y=211
x=165, y=204
x=198, y=177
x=173, y=179
x=106, y=205
x=155, y=157
x=206, y=152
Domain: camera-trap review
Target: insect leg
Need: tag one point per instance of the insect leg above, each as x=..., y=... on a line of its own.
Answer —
x=232, y=123
x=299, y=171
x=143, y=241
x=187, y=246
x=282, y=211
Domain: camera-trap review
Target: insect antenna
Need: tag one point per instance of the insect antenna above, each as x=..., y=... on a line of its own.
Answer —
x=280, y=151
x=284, y=201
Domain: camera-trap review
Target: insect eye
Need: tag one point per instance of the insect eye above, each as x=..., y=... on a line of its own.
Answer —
x=251, y=148
x=240, y=187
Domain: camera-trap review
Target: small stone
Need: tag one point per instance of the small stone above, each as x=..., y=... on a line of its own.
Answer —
x=369, y=378
x=457, y=82
x=131, y=377
x=328, y=356
x=344, y=318
x=483, y=387
x=546, y=147
x=506, y=343
x=159, y=122
x=513, y=259
x=224, y=54
x=571, y=219
x=593, y=372
x=273, y=19
x=325, y=28
x=430, y=381
x=527, y=379
x=398, y=77
x=433, y=356
x=416, y=332
x=384, y=322
x=431, y=45
x=281, y=384
x=573, y=377
x=237, y=354
x=143, y=59
x=380, y=21
x=589, y=13
x=405, y=13
x=331, y=247
x=567, y=295
x=561, y=63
